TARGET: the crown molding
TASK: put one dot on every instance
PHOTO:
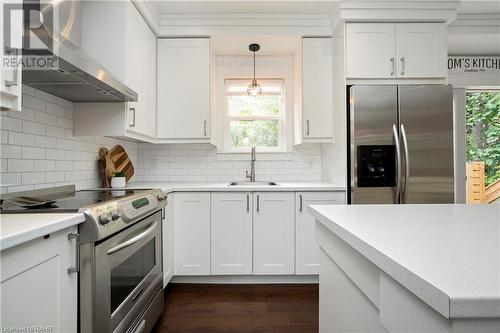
(150, 11)
(209, 24)
(394, 11)
(476, 24)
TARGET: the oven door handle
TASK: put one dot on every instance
(132, 240)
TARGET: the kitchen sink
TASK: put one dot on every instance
(253, 184)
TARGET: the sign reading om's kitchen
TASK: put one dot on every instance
(474, 64)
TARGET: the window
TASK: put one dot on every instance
(483, 131)
(254, 121)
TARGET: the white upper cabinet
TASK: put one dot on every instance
(421, 50)
(183, 88)
(10, 55)
(191, 233)
(317, 88)
(127, 48)
(396, 50)
(231, 241)
(140, 73)
(306, 246)
(273, 233)
(371, 49)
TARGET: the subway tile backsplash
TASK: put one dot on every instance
(199, 163)
(38, 150)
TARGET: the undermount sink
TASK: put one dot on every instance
(253, 184)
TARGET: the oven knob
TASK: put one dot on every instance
(162, 196)
(115, 215)
(105, 218)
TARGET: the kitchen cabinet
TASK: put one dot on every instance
(10, 56)
(421, 50)
(273, 233)
(317, 89)
(306, 246)
(396, 50)
(191, 233)
(231, 233)
(371, 50)
(127, 47)
(36, 289)
(168, 242)
(183, 90)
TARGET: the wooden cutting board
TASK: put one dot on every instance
(121, 161)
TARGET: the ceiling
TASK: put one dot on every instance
(288, 7)
(246, 7)
(480, 7)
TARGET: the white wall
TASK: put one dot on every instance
(38, 148)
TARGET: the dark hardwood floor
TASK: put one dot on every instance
(201, 308)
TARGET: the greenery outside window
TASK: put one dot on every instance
(254, 121)
(483, 131)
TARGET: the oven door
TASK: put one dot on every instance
(128, 274)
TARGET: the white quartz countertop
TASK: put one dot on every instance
(214, 187)
(447, 255)
(16, 229)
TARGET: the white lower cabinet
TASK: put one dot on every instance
(168, 242)
(273, 233)
(306, 246)
(36, 291)
(191, 233)
(231, 233)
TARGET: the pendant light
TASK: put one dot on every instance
(254, 89)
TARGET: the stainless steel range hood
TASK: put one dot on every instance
(77, 77)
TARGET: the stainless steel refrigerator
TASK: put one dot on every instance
(400, 144)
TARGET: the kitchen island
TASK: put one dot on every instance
(409, 268)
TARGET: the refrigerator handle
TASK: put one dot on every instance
(407, 164)
(398, 163)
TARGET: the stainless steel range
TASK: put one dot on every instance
(119, 253)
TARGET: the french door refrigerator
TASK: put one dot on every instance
(400, 144)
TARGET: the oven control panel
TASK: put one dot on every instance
(113, 216)
(134, 208)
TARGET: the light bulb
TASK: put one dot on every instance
(254, 89)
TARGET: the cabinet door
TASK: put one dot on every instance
(273, 234)
(183, 88)
(306, 247)
(370, 50)
(192, 233)
(317, 111)
(421, 50)
(10, 56)
(141, 72)
(35, 288)
(231, 223)
(168, 243)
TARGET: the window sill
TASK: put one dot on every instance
(261, 156)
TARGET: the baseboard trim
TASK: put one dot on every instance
(247, 279)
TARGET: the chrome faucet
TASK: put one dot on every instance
(251, 175)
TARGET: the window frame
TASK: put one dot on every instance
(281, 117)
